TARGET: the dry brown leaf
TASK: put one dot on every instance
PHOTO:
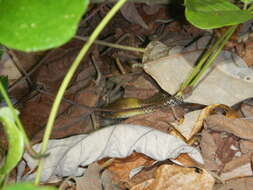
(193, 121)
(159, 119)
(121, 168)
(247, 111)
(75, 120)
(172, 177)
(245, 183)
(237, 162)
(246, 146)
(107, 181)
(191, 124)
(218, 149)
(91, 179)
(239, 172)
(131, 14)
(228, 147)
(239, 127)
(140, 87)
(151, 9)
(187, 161)
(208, 150)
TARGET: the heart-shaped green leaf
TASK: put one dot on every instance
(15, 142)
(246, 1)
(33, 25)
(208, 14)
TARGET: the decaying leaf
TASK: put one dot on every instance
(130, 13)
(247, 111)
(208, 149)
(245, 183)
(91, 179)
(121, 168)
(67, 155)
(239, 172)
(246, 146)
(239, 127)
(194, 121)
(172, 177)
(237, 162)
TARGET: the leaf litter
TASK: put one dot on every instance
(221, 139)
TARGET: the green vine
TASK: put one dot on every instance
(67, 79)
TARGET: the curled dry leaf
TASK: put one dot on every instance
(172, 177)
(191, 124)
(194, 121)
(239, 127)
(118, 141)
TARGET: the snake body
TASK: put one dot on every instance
(135, 106)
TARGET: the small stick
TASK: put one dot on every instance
(118, 46)
(121, 68)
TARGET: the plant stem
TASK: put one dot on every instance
(227, 35)
(198, 67)
(208, 57)
(67, 79)
(17, 120)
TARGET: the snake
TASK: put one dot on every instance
(133, 106)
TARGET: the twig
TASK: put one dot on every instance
(121, 68)
(19, 66)
(118, 46)
(99, 75)
(121, 38)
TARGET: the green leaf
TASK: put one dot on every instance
(15, 142)
(208, 14)
(33, 25)
(1, 51)
(28, 186)
(246, 1)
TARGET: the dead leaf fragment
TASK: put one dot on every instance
(237, 162)
(131, 14)
(91, 179)
(245, 183)
(242, 171)
(172, 177)
(239, 127)
(246, 146)
(121, 168)
(208, 150)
